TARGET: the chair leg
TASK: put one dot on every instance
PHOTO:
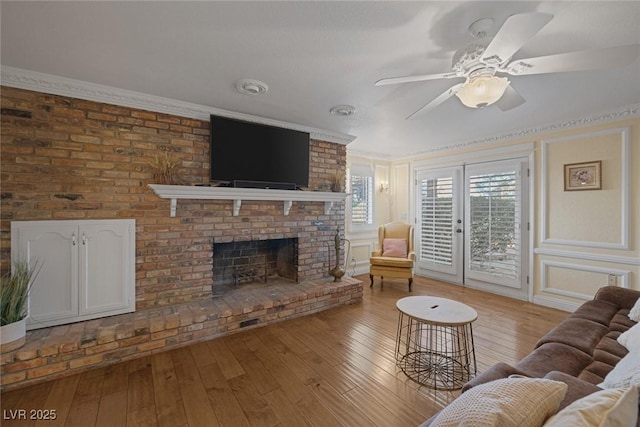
(371, 278)
(410, 283)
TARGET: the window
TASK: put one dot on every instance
(361, 182)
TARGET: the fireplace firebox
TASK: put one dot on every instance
(239, 263)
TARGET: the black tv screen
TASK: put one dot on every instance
(245, 151)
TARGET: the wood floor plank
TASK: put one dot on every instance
(256, 408)
(166, 391)
(140, 390)
(252, 366)
(195, 400)
(224, 403)
(286, 411)
(86, 400)
(112, 410)
(60, 398)
(225, 359)
(32, 399)
(347, 413)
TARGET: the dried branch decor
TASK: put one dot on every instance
(165, 169)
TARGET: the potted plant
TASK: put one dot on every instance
(14, 293)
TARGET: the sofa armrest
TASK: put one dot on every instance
(623, 297)
(577, 388)
(377, 252)
(495, 372)
(412, 256)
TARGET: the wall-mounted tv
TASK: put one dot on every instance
(255, 153)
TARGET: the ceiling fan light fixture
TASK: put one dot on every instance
(482, 91)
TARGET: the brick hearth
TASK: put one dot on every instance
(69, 349)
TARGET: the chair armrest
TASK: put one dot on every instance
(376, 252)
(412, 256)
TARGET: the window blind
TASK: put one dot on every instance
(361, 199)
(436, 231)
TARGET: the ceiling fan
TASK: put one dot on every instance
(482, 62)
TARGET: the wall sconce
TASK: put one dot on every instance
(384, 187)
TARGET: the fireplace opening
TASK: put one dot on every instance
(254, 262)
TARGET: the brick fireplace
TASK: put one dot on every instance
(66, 158)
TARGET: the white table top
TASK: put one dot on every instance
(437, 311)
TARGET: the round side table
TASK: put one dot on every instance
(434, 343)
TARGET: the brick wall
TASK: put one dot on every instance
(66, 158)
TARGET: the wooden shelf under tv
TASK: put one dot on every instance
(175, 192)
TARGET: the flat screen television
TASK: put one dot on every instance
(258, 154)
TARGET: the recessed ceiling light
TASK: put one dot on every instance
(343, 110)
(251, 87)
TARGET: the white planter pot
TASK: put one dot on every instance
(12, 336)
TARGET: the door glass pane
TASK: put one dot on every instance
(494, 240)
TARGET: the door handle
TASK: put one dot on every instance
(458, 230)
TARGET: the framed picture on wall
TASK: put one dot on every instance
(583, 176)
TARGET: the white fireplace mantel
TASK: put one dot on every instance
(175, 192)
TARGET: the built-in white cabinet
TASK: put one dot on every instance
(87, 268)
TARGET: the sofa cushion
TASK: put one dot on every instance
(517, 402)
(634, 313)
(626, 373)
(576, 332)
(577, 388)
(554, 357)
(630, 339)
(597, 311)
(605, 408)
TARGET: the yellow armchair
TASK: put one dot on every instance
(395, 256)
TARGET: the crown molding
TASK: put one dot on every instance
(56, 85)
(621, 113)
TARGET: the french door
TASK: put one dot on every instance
(471, 225)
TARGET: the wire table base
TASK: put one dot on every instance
(431, 351)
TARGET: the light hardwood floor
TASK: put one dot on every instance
(335, 368)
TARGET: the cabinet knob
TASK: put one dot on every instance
(73, 239)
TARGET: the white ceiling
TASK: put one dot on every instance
(314, 55)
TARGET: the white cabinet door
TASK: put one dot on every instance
(105, 265)
(53, 246)
(87, 268)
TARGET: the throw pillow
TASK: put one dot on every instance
(394, 248)
(626, 372)
(634, 314)
(606, 408)
(630, 339)
(517, 402)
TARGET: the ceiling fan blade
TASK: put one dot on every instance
(576, 61)
(439, 100)
(510, 99)
(515, 32)
(418, 78)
